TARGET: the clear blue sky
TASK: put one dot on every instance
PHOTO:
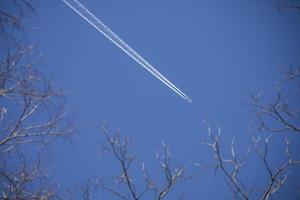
(217, 52)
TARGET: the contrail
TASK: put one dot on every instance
(102, 28)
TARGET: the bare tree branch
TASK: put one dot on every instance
(31, 111)
(119, 147)
(231, 167)
(280, 110)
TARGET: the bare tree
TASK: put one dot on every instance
(25, 180)
(31, 113)
(13, 15)
(231, 166)
(278, 116)
(31, 110)
(281, 115)
(119, 147)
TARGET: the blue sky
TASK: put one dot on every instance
(217, 52)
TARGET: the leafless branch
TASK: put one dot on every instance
(277, 176)
(280, 111)
(120, 148)
(13, 15)
(26, 181)
(230, 167)
(31, 111)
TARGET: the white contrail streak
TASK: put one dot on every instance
(102, 28)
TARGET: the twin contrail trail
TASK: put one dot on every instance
(102, 28)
